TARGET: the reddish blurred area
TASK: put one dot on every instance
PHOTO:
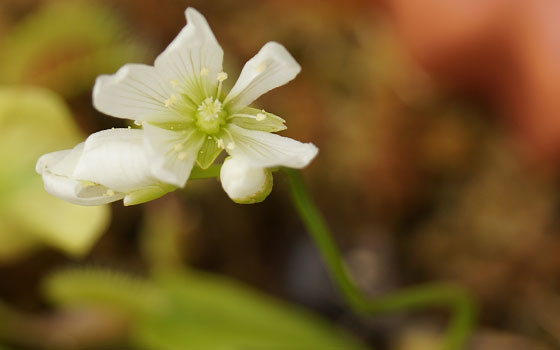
(507, 51)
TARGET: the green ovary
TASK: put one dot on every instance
(210, 116)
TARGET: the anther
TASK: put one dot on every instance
(171, 100)
(220, 143)
(221, 76)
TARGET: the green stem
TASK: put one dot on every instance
(430, 295)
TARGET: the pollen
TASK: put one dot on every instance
(182, 155)
(204, 72)
(220, 143)
(260, 117)
(231, 146)
(138, 122)
(261, 67)
(174, 83)
(170, 101)
(178, 147)
(221, 76)
(109, 193)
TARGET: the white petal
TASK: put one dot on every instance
(116, 159)
(172, 153)
(74, 191)
(271, 67)
(56, 169)
(47, 161)
(263, 149)
(193, 50)
(243, 183)
(135, 92)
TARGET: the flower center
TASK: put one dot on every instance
(210, 116)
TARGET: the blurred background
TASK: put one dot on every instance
(438, 125)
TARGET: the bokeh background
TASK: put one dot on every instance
(438, 125)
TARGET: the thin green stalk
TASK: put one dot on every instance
(430, 295)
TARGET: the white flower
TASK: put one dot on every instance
(186, 116)
(243, 183)
(110, 165)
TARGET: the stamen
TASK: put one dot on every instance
(260, 117)
(171, 100)
(220, 143)
(221, 76)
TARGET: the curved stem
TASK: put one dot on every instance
(429, 295)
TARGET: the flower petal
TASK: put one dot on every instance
(74, 191)
(136, 92)
(271, 67)
(243, 183)
(56, 169)
(172, 153)
(116, 159)
(194, 58)
(263, 149)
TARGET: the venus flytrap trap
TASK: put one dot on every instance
(33, 120)
(187, 120)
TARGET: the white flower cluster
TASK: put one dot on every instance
(186, 119)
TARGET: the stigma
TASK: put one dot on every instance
(210, 115)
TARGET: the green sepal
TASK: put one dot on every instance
(246, 119)
(147, 194)
(208, 153)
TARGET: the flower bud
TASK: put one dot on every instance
(243, 183)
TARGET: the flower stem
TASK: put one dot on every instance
(429, 295)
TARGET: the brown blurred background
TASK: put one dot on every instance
(438, 125)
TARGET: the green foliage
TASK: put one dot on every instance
(33, 122)
(211, 312)
(65, 45)
(193, 310)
